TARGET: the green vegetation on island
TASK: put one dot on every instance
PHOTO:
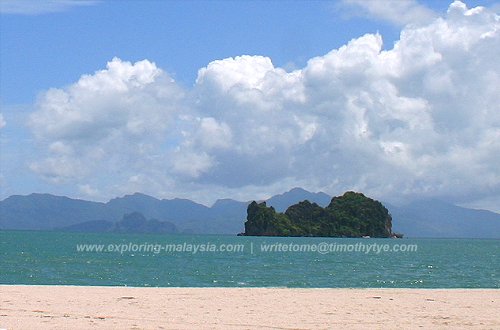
(350, 215)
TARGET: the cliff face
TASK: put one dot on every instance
(350, 215)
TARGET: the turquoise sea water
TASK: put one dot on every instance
(196, 261)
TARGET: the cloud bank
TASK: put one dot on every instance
(419, 120)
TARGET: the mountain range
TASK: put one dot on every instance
(421, 218)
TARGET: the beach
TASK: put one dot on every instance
(82, 307)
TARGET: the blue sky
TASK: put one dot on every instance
(50, 45)
(180, 36)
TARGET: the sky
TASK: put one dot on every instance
(204, 100)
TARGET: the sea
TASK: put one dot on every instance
(149, 260)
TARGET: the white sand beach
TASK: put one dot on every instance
(72, 307)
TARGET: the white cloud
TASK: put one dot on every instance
(212, 134)
(398, 12)
(191, 164)
(112, 120)
(37, 7)
(3, 123)
(421, 119)
(88, 191)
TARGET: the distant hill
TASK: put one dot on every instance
(434, 218)
(425, 218)
(283, 201)
(93, 226)
(49, 212)
(133, 222)
(44, 211)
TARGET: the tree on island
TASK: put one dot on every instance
(350, 215)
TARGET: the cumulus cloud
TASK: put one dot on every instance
(112, 120)
(398, 12)
(421, 119)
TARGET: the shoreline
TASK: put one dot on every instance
(117, 307)
(242, 287)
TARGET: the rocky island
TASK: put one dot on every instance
(350, 215)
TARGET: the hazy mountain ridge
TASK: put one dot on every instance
(49, 212)
(434, 218)
(425, 218)
(134, 222)
(282, 201)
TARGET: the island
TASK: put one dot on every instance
(350, 215)
(134, 222)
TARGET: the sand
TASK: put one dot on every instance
(72, 307)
